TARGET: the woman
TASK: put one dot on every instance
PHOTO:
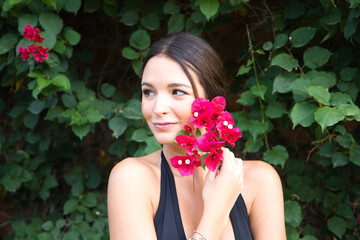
(147, 197)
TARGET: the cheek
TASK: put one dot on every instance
(146, 111)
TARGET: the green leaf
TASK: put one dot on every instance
(30, 120)
(293, 215)
(209, 7)
(299, 87)
(118, 125)
(333, 17)
(130, 18)
(151, 21)
(327, 116)
(256, 128)
(335, 183)
(303, 113)
(94, 115)
(347, 74)
(50, 3)
(283, 81)
(350, 109)
(351, 23)
(28, 19)
(48, 225)
(136, 65)
(280, 40)
(277, 156)
(61, 81)
(355, 155)
(89, 200)
(70, 206)
(81, 130)
(301, 36)
(275, 110)
(60, 223)
(69, 100)
(346, 140)
(11, 184)
(337, 225)
(36, 106)
(259, 91)
(140, 39)
(315, 57)
(176, 23)
(130, 53)
(246, 98)
(133, 109)
(50, 182)
(93, 177)
(339, 159)
(253, 146)
(243, 70)
(267, 46)
(139, 135)
(72, 36)
(107, 90)
(321, 78)
(284, 61)
(51, 22)
(320, 93)
(294, 10)
(7, 42)
(72, 6)
(171, 8)
(77, 188)
(91, 6)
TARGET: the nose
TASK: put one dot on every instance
(162, 105)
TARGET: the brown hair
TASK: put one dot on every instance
(191, 52)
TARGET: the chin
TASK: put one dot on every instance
(165, 140)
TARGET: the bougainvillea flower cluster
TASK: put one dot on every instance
(37, 51)
(218, 128)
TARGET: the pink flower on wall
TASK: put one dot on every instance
(37, 51)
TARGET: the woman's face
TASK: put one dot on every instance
(167, 96)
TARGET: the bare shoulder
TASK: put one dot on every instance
(133, 194)
(259, 171)
(136, 170)
(260, 180)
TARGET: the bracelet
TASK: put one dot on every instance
(202, 236)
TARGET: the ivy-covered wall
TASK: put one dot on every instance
(293, 67)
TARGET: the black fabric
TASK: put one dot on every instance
(168, 223)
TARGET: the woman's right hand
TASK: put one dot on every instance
(222, 187)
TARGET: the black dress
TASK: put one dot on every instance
(168, 223)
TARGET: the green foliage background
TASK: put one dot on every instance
(294, 73)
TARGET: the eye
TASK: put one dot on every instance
(147, 93)
(178, 92)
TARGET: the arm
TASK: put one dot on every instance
(267, 210)
(220, 193)
(129, 204)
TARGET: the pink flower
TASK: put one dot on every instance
(184, 164)
(188, 129)
(187, 142)
(202, 112)
(208, 142)
(225, 127)
(41, 54)
(24, 53)
(212, 160)
(218, 105)
(195, 156)
(32, 34)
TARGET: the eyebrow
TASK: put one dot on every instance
(170, 85)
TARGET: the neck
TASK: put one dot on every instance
(175, 150)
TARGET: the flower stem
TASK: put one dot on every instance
(252, 52)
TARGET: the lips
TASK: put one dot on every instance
(163, 125)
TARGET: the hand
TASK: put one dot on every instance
(222, 187)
